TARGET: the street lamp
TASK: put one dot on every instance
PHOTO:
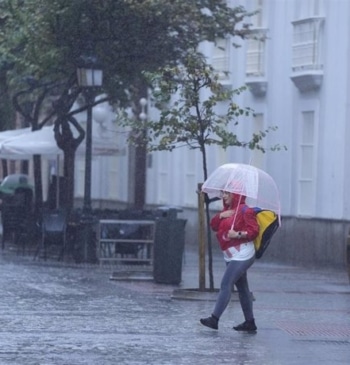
(89, 76)
(90, 79)
(143, 115)
(140, 160)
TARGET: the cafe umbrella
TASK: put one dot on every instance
(12, 182)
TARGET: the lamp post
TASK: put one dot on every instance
(143, 115)
(140, 160)
(90, 79)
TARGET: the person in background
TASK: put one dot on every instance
(236, 227)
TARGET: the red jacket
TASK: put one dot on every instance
(245, 220)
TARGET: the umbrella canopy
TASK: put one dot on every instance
(4, 135)
(14, 181)
(23, 146)
(258, 186)
(42, 142)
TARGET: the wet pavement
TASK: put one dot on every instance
(59, 313)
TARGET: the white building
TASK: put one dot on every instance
(299, 81)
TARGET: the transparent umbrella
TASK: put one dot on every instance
(258, 186)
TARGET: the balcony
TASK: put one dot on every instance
(257, 86)
(255, 62)
(307, 80)
(307, 61)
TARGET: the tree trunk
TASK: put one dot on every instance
(38, 187)
(209, 240)
(201, 238)
(4, 168)
(68, 144)
(69, 167)
(210, 247)
(140, 177)
(140, 162)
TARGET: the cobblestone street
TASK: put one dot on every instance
(53, 313)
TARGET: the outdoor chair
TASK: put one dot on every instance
(53, 232)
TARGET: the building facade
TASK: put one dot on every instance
(299, 81)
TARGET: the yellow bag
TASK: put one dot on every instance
(268, 222)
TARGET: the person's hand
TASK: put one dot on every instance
(232, 234)
(226, 214)
(236, 234)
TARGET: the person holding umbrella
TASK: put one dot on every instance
(240, 186)
(236, 227)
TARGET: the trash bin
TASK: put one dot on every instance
(168, 247)
(82, 237)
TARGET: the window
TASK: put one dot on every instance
(255, 54)
(306, 164)
(255, 45)
(221, 58)
(307, 39)
(257, 155)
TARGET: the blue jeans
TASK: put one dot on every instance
(235, 274)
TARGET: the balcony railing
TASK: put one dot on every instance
(307, 59)
(255, 62)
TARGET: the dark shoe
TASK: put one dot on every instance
(247, 326)
(210, 322)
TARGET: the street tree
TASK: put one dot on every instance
(44, 40)
(187, 96)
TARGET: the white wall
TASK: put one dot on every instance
(282, 105)
(172, 177)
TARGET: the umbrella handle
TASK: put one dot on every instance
(234, 219)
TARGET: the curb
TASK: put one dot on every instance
(198, 295)
(131, 275)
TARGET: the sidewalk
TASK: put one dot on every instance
(55, 313)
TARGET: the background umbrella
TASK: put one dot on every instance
(14, 181)
(42, 142)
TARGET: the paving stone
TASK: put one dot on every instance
(63, 313)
